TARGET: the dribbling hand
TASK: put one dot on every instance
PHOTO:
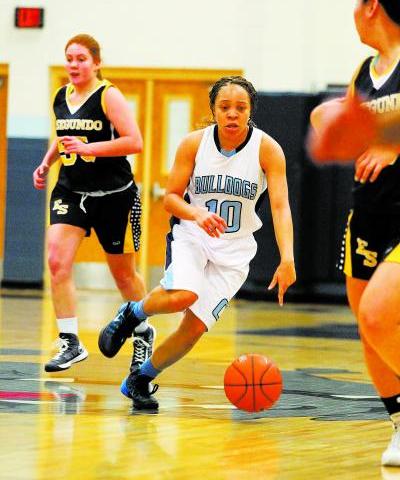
(284, 276)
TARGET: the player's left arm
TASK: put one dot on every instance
(129, 140)
(272, 161)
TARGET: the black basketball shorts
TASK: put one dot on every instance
(115, 217)
(369, 240)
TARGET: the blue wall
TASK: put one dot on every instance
(25, 215)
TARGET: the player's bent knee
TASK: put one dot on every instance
(182, 300)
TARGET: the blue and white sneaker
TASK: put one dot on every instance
(139, 389)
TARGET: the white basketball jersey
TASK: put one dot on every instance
(229, 186)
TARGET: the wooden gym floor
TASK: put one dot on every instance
(328, 423)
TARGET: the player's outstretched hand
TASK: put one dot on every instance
(342, 131)
(284, 276)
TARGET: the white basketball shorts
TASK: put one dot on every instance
(213, 268)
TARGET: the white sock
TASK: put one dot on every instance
(395, 418)
(68, 325)
(142, 327)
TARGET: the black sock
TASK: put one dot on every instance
(392, 404)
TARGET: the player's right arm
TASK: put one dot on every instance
(332, 136)
(322, 110)
(179, 179)
(341, 131)
(40, 173)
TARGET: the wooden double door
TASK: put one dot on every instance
(3, 152)
(167, 104)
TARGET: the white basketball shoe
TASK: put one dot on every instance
(391, 456)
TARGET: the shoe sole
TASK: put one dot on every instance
(154, 408)
(105, 352)
(390, 461)
(65, 366)
(124, 390)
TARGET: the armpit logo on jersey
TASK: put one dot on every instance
(371, 258)
(60, 208)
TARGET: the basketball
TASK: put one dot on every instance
(253, 383)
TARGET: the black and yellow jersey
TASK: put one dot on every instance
(90, 123)
(382, 94)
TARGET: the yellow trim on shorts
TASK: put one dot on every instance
(128, 241)
(348, 267)
(394, 255)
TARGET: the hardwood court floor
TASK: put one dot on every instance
(76, 425)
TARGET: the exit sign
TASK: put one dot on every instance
(29, 17)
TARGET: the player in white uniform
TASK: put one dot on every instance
(218, 176)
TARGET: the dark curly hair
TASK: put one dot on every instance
(392, 8)
(235, 80)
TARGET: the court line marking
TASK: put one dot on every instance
(50, 379)
(355, 397)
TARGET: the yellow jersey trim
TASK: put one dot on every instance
(389, 70)
(351, 90)
(70, 89)
(103, 98)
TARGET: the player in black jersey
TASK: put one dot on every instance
(371, 256)
(95, 189)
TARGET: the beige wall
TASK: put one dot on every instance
(282, 45)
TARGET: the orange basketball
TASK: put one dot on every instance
(253, 382)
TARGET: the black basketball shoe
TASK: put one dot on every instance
(71, 351)
(114, 335)
(139, 389)
(142, 346)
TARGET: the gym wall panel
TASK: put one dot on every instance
(25, 215)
